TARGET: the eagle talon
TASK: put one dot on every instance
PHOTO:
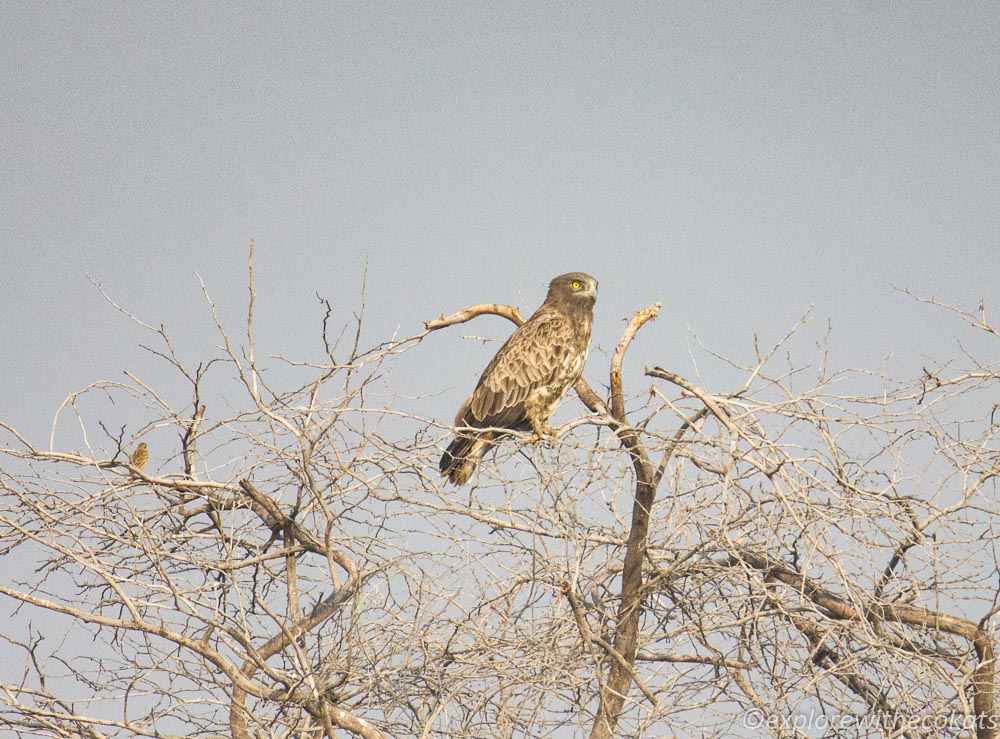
(543, 432)
(543, 438)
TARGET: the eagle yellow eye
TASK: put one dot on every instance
(577, 284)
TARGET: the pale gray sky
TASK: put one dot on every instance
(737, 160)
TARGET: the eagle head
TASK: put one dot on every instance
(573, 288)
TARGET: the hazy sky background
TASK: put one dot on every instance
(738, 161)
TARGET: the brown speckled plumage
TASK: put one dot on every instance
(524, 382)
(140, 456)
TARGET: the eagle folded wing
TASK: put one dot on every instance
(530, 360)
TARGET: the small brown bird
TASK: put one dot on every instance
(140, 456)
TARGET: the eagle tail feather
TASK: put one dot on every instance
(464, 454)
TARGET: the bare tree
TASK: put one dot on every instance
(810, 553)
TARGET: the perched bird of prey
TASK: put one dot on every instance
(524, 382)
(140, 456)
